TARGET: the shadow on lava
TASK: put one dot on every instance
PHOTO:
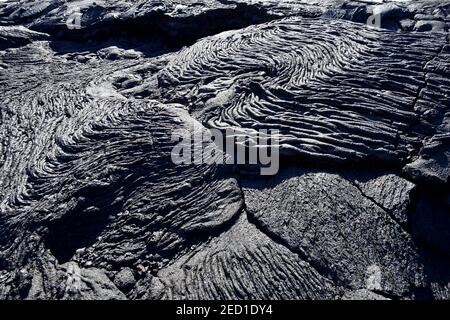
(430, 224)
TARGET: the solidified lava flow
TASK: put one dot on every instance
(93, 205)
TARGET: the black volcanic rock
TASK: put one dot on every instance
(12, 37)
(341, 230)
(92, 205)
(336, 91)
(260, 269)
(101, 172)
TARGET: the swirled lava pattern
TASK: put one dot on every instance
(92, 205)
(336, 92)
(97, 183)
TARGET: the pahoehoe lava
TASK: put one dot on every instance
(335, 92)
(92, 205)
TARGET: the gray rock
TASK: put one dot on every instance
(116, 228)
(342, 231)
(389, 191)
(18, 36)
(124, 279)
(297, 98)
(430, 26)
(428, 17)
(261, 269)
(92, 205)
(391, 25)
(390, 11)
(407, 24)
(432, 165)
(363, 294)
(89, 284)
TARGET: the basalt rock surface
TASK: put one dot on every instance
(93, 205)
(335, 91)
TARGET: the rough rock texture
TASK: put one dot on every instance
(363, 294)
(98, 184)
(336, 92)
(93, 207)
(18, 37)
(387, 190)
(255, 268)
(340, 230)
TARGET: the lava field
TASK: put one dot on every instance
(93, 206)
